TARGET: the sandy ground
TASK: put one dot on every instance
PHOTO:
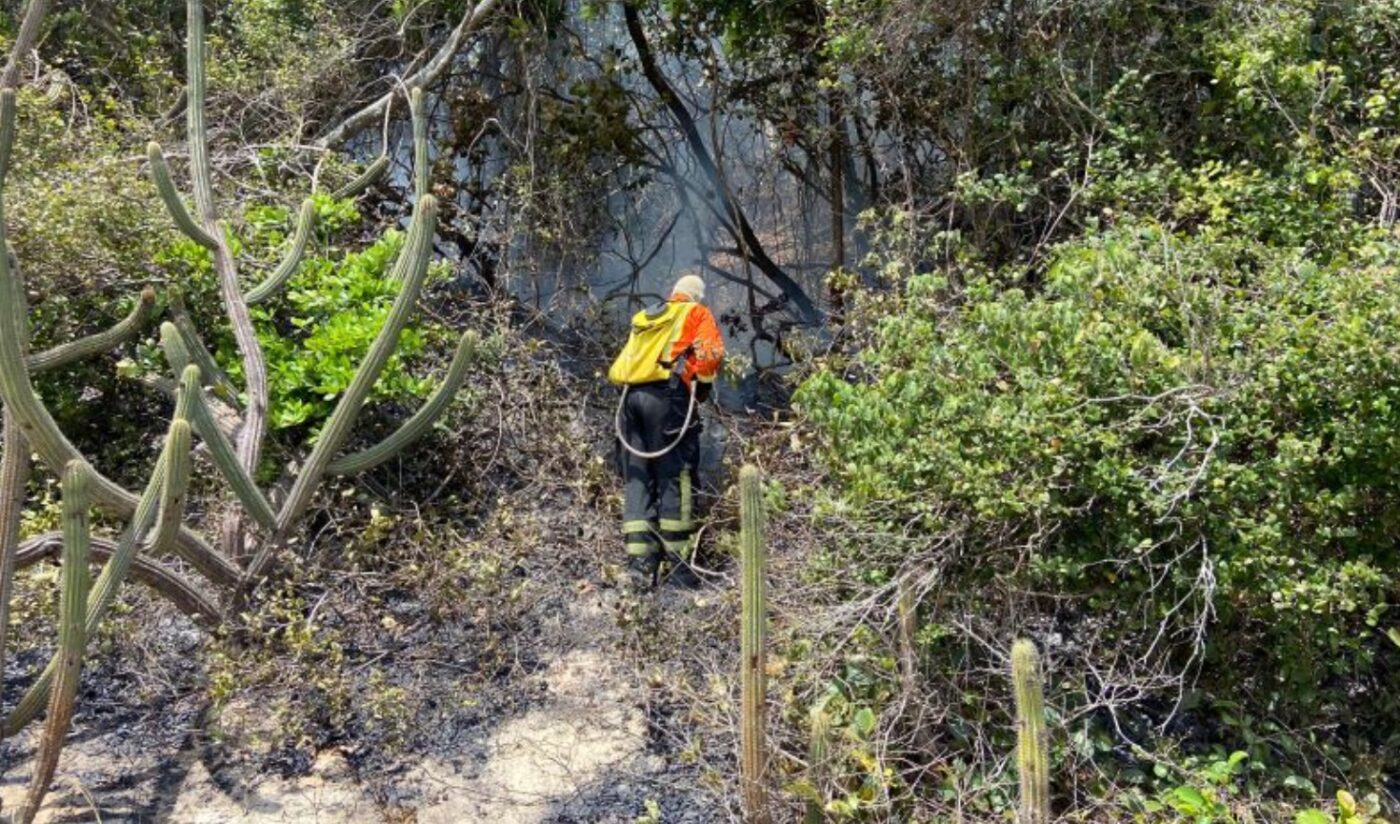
(578, 752)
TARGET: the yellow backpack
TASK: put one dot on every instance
(654, 332)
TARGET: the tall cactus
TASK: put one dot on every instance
(1032, 757)
(154, 519)
(72, 634)
(752, 653)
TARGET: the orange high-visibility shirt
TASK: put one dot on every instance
(702, 337)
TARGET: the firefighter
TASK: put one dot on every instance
(666, 370)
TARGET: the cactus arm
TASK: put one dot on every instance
(14, 476)
(174, 204)
(15, 464)
(371, 173)
(1032, 757)
(7, 132)
(72, 638)
(752, 651)
(306, 221)
(201, 172)
(422, 420)
(818, 745)
(163, 581)
(422, 170)
(410, 269)
(220, 448)
(226, 460)
(172, 491)
(254, 427)
(97, 343)
(214, 375)
(176, 461)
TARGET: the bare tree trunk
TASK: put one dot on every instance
(747, 241)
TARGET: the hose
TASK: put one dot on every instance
(647, 456)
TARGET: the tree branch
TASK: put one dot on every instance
(746, 238)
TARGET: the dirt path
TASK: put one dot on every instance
(579, 751)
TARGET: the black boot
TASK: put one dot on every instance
(643, 570)
(679, 573)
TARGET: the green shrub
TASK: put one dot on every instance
(1188, 441)
(316, 331)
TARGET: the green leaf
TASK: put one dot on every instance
(1312, 817)
(863, 724)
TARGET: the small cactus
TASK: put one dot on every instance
(72, 634)
(907, 612)
(753, 748)
(1032, 757)
(818, 745)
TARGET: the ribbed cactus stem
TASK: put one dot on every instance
(72, 634)
(15, 463)
(306, 221)
(99, 342)
(1032, 743)
(418, 235)
(14, 476)
(422, 420)
(177, 354)
(371, 173)
(7, 132)
(172, 492)
(254, 428)
(175, 460)
(410, 269)
(818, 745)
(753, 760)
(422, 171)
(220, 447)
(200, 171)
(211, 373)
(174, 203)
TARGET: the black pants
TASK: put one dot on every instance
(658, 501)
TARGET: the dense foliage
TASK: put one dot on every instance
(1163, 432)
(1108, 354)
